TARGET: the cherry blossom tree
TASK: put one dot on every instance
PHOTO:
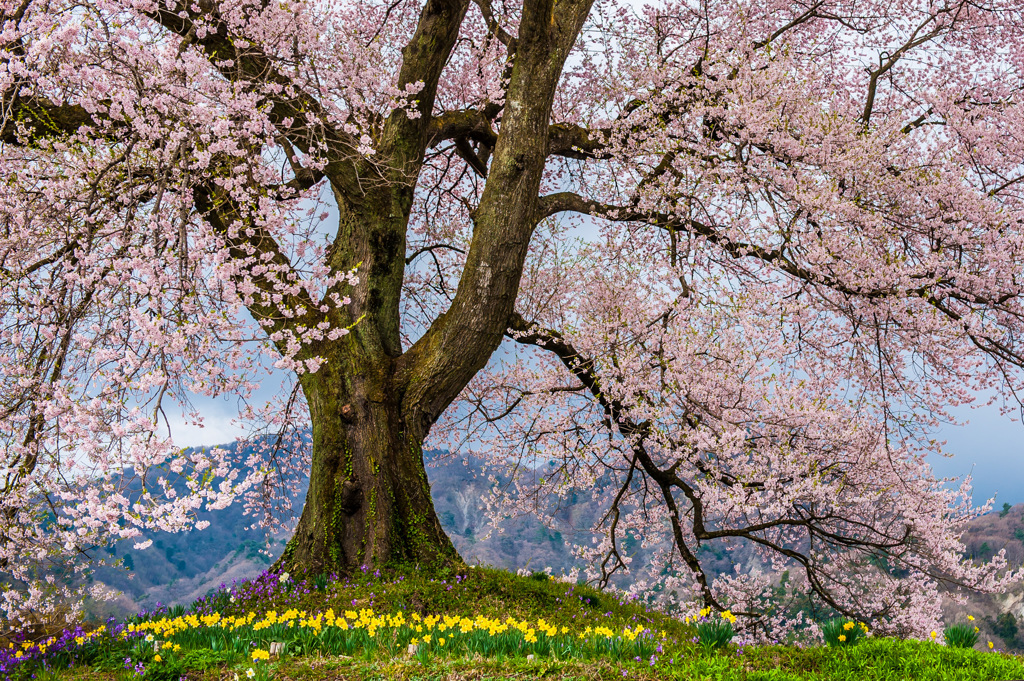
(753, 251)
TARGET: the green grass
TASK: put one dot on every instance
(497, 594)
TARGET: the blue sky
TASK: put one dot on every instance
(991, 448)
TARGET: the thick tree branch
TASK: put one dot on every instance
(249, 242)
(469, 123)
(574, 141)
(862, 537)
(41, 118)
(458, 344)
(553, 204)
(423, 60)
(374, 214)
(290, 112)
(467, 154)
(570, 141)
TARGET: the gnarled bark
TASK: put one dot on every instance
(369, 500)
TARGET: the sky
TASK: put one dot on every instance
(991, 448)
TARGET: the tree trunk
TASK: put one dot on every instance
(372, 404)
(369, 499)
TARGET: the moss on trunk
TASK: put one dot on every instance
(369, 499)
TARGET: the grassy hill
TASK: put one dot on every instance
(478, 624)
(178, 568)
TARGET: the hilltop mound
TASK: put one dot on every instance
(475, 624)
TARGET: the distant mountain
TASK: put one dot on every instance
(180, 567)
(1001, 618)
(998, 530)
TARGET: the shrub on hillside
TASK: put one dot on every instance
(961, 636)
(1005, 626)
(840, 632)
(713, 632)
